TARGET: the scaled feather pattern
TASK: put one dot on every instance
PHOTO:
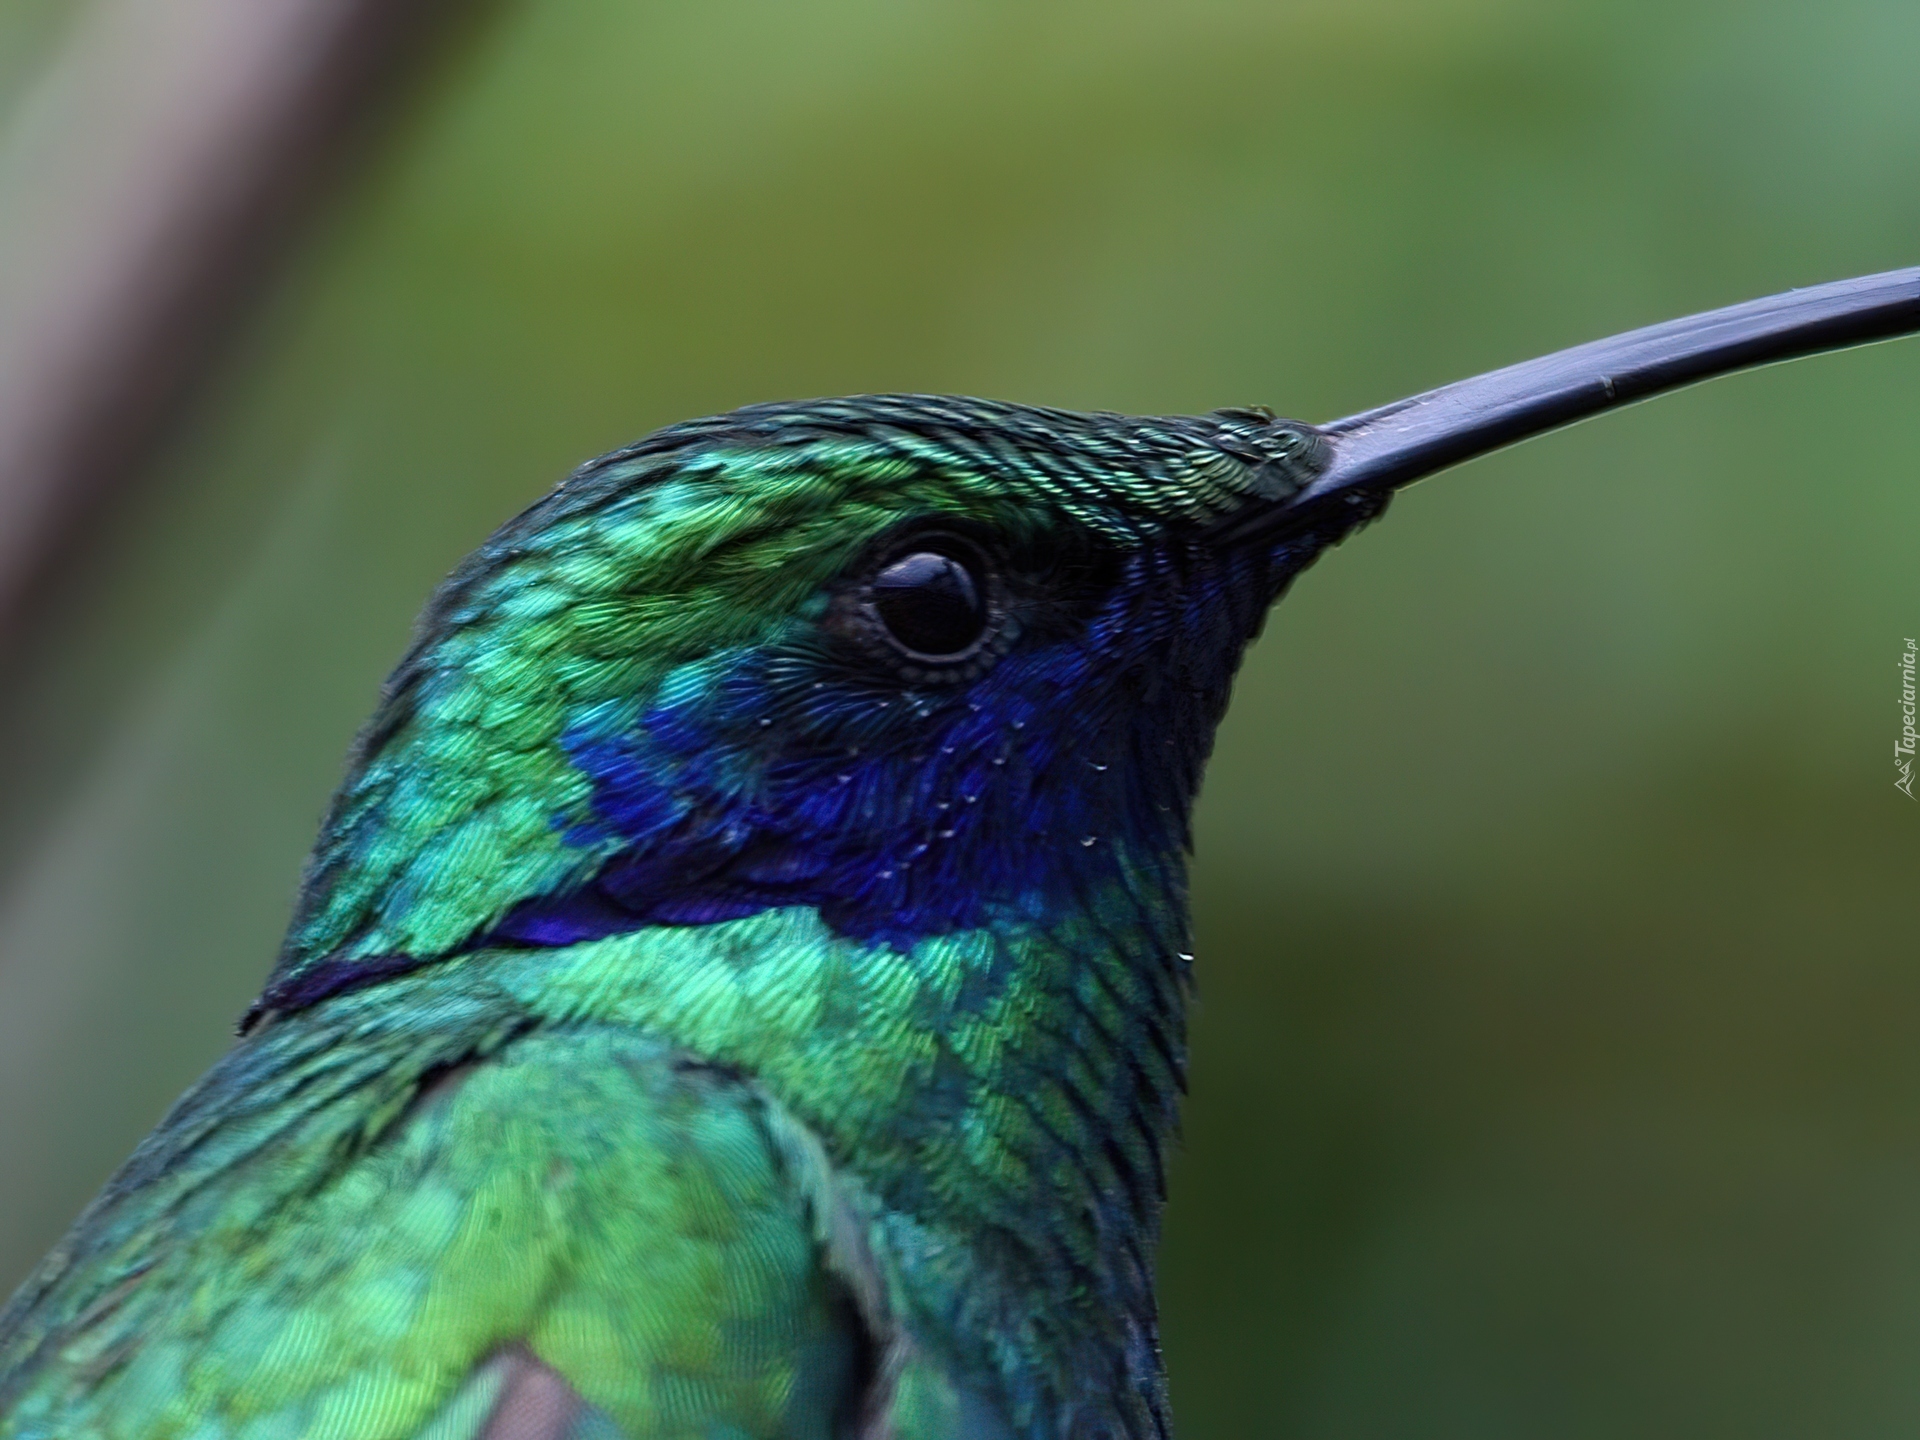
(704, 1014)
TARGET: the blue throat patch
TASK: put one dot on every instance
(775, 775)
(765, 778)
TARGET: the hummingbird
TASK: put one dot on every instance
(739, 989)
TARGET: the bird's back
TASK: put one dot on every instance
(387, 1224)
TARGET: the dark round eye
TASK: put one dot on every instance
(931, 603)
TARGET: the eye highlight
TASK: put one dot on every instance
(930, 602)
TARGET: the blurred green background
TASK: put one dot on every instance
(1557, 1071)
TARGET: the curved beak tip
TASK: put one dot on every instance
(1378, 451)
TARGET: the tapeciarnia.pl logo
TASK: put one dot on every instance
(1903, 747)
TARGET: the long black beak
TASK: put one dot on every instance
(1366, 455)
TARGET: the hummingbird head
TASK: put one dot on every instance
(919, 664)
(852, 744)
(915, 665)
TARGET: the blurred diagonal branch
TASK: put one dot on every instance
(148, 182)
